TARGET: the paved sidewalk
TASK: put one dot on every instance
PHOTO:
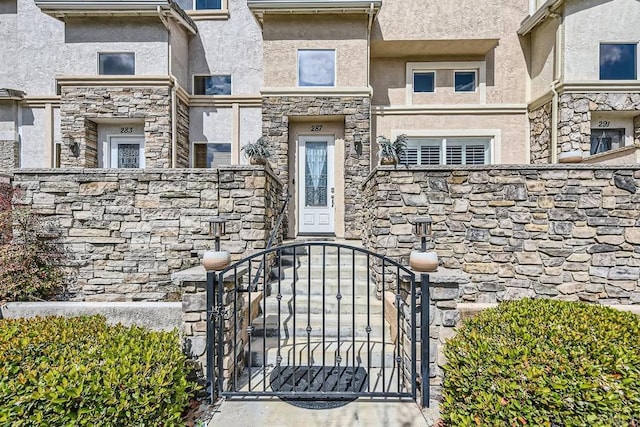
(360, 413)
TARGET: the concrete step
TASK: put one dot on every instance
(329, 272)
(330, 328)
(346, 259)
(265, 353)
(329, 287)
(317, 305)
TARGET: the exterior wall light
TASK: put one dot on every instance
(216, 260)
(74, 147)
(422, 260)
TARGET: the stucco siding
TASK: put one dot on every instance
(284, 35)
(34, 150)
(542, 58)
(513, 129)
(591, 22)
(179, 41)
(146, 38)
(250, 128)
(209, 124)
(232, 47)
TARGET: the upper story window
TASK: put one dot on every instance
(465, 81)
(447, 151)
(618, 61)
(424, 81)
(119, 64)
(200, 4)
(212, 85)
(317, 67)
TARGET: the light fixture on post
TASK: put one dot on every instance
(216, 260)
(422, 260)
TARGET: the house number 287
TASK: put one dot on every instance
(316, 128)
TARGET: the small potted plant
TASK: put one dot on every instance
(257, 152)
(390, 152)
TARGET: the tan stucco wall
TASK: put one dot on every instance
(590, 22)
(334, 128)
(542, 54)
(514, 134)
(284, 35)
(492, 24)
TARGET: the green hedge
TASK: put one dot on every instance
(544, 363)
(82, 372)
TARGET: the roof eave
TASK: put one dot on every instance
(549, 9)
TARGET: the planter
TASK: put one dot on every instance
(216, 260)
(423, 261)
(261, 161)
(388, 161)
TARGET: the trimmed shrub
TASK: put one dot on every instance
(544, 363)
(82, 372)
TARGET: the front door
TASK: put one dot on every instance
(126, 152)
(316, 189)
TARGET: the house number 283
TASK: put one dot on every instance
(126, 130)
(316, 128)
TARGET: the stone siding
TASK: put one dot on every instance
(575, 116)
(540, 121)
(571, 233)
(126, 231)
(182, 130)
(81, 106)
(356, 111)
(9, 155)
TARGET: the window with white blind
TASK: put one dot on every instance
(447, 151)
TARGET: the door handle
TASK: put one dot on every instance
(332, 198)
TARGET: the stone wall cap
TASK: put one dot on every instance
(442, 276)
(198, 274)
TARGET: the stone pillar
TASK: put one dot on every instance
(83, 133)
(636, 129)
(574, 124)
(9, 154)
(540, 121)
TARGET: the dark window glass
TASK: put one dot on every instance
(606, 139)
(465, 81)
(208, 4)
(116, 63)
(618, 61)
(212, 85)
(424, 82)
(211, 155)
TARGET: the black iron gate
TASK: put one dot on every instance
(313, 320)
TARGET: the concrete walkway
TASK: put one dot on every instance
(360, 413)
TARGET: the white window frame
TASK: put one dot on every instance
(193, 83)
(632, 42)
(435, 79)
(116, 53)
(193, 150)
(475, 80)
(223, 5)
(494, 136)
(108, 152)
(335, 67)
(479, 66)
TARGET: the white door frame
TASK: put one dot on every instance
(112, 147)
(316, 220)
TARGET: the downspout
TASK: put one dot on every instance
(369, 26)
(558, 78)
(174, 89)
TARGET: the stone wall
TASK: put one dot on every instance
(126, 231)
(9, 154)
(540, 122)
(575, 110)
(81, 106)
(182, 130)
(571, 233)
(356, 111)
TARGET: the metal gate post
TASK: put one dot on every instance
(425, 303)
(211, 334)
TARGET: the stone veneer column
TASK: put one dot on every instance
(356, 110)
(82, 106)
(9, 154)
(636, 129)
(540, 121)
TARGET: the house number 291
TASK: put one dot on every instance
(316, 128)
